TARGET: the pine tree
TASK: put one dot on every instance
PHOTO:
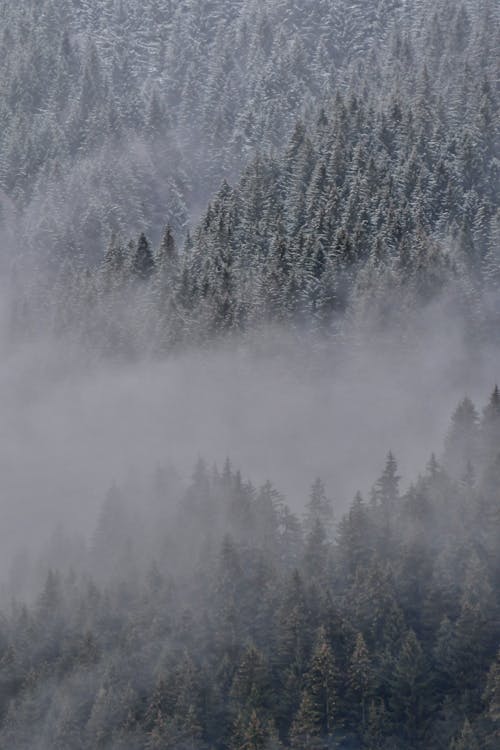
(491, 700)
(490, 427)
(255, 734)
(316, 553)
(386, 495)
(142, 262)
(354, 538)
(167, 256)
(317, 714)
(305, 730)
(250, 683)
(319, 508)
(462, 439)
(360, 679)
(411, 692)
(387, 486)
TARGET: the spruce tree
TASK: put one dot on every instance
(142, 261)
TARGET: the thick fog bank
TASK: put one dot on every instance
(281, 410)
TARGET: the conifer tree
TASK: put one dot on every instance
(490, 427)
(462, 439)
(491, 699)
(319, 508)
(317, 714)
(360, 680)
(142, 260)
(387, 486)
(410, 691)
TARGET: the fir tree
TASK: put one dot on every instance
(142, 261)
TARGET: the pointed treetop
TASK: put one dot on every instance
(114, 257)
(143, 262)
(319, 507)
(493, 407)
(433, 466)
(387, 486)
(167, 252)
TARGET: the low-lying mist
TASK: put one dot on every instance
(282, 408)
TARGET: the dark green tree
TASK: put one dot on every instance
(142, 261)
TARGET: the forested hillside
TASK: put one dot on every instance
(365, 216)
(274, 227)
(125, 116)
(384, 195)
(226, 621)
(121, 114)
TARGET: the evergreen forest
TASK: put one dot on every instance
(199, 181)
(215, 617)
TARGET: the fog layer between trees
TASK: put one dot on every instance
(71, 429)
(250, 268)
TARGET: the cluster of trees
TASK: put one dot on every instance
(361, 142)
(233, 624)
(367, 214)
(120, 113)
(383, 196)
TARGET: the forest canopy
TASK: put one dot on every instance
(215, 617)
(231, 216)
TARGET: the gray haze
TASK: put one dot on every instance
(283, 410)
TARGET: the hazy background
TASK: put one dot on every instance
(281, 409)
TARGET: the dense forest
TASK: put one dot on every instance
(367, 136)
(181, 179)
(365, 216)
(224, 620)
(124, 114)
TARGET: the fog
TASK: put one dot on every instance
(282, 409)
(268, 233)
